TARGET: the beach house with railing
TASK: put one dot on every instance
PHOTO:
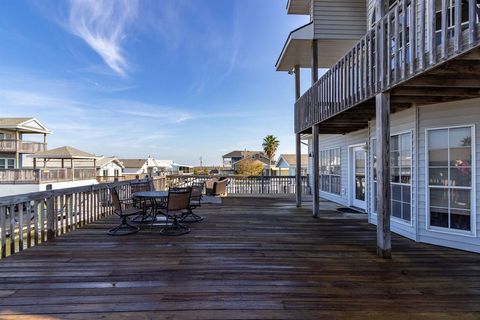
(27, 165)
(393, 122)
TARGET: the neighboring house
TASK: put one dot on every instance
(109, 169)
(417, 88)
(63, 167)
(230, 158)
(287, 165)
(152, 167)
(15, 143)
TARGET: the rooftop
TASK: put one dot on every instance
(65, 152)
(291, 159)
(241, 153)
(26, 125)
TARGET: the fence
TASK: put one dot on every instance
(246, 184)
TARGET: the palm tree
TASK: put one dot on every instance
(270, 146)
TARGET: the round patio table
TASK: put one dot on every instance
(157, 198)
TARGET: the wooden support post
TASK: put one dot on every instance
(383, 175)
(316, 170)
(51, 219)
(314, 61)
(72, 163)
(298, 146)
(298, 171)
(18, 144)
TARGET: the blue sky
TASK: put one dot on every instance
(175, 79)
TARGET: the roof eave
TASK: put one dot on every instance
(304, 33)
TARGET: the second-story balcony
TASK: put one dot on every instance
(21, 146)
(416, 55)
(42, 176)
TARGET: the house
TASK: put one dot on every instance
(63, 167)
(287, 165)
(230, 158)
(152, 167)
(109, 169)
(393, 123)
(15, 143)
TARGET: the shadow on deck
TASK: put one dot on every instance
(249, 259)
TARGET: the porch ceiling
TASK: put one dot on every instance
(298, 7)
(298, 50)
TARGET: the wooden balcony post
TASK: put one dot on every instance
(314, 61)
(298, 171)
(298, 147)
(316, 170)
(383, 175)
(50, 214)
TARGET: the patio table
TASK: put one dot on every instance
(157, 199)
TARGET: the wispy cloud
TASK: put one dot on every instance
(102, 25)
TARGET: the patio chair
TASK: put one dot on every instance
(125, 227)
(178, 202)
(195, 202)
(216, 187)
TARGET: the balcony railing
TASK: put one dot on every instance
(403, 44)
(37, 176)
(21, 146)
(246, 184)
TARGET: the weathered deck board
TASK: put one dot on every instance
(249, 259)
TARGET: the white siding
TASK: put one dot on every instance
(446, 115)
(339, 19)
(400, 122)
(343, 142)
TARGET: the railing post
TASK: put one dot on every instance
(50, 213)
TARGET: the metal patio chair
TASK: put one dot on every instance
(178, 202)
(124, 212)
(195, 202)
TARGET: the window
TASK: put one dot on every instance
(450, 178)
(400, 176)
(116, 172)
(6, 136)
(105, 172)
(451, 18)
(330, 179)
(7, 163)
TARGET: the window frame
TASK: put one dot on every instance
(372, 181)
(330, 175)
(6, 167)
(473, 200)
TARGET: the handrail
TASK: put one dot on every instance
(245, 184)
(26, 146)
(380, 61)
(29, 219)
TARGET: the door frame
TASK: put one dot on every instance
(351, 167)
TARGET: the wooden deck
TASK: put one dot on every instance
(249, 259)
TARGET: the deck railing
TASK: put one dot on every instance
(403, 44)
(21, 146)
(246, 184)
(38, 176)
(29, 219)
